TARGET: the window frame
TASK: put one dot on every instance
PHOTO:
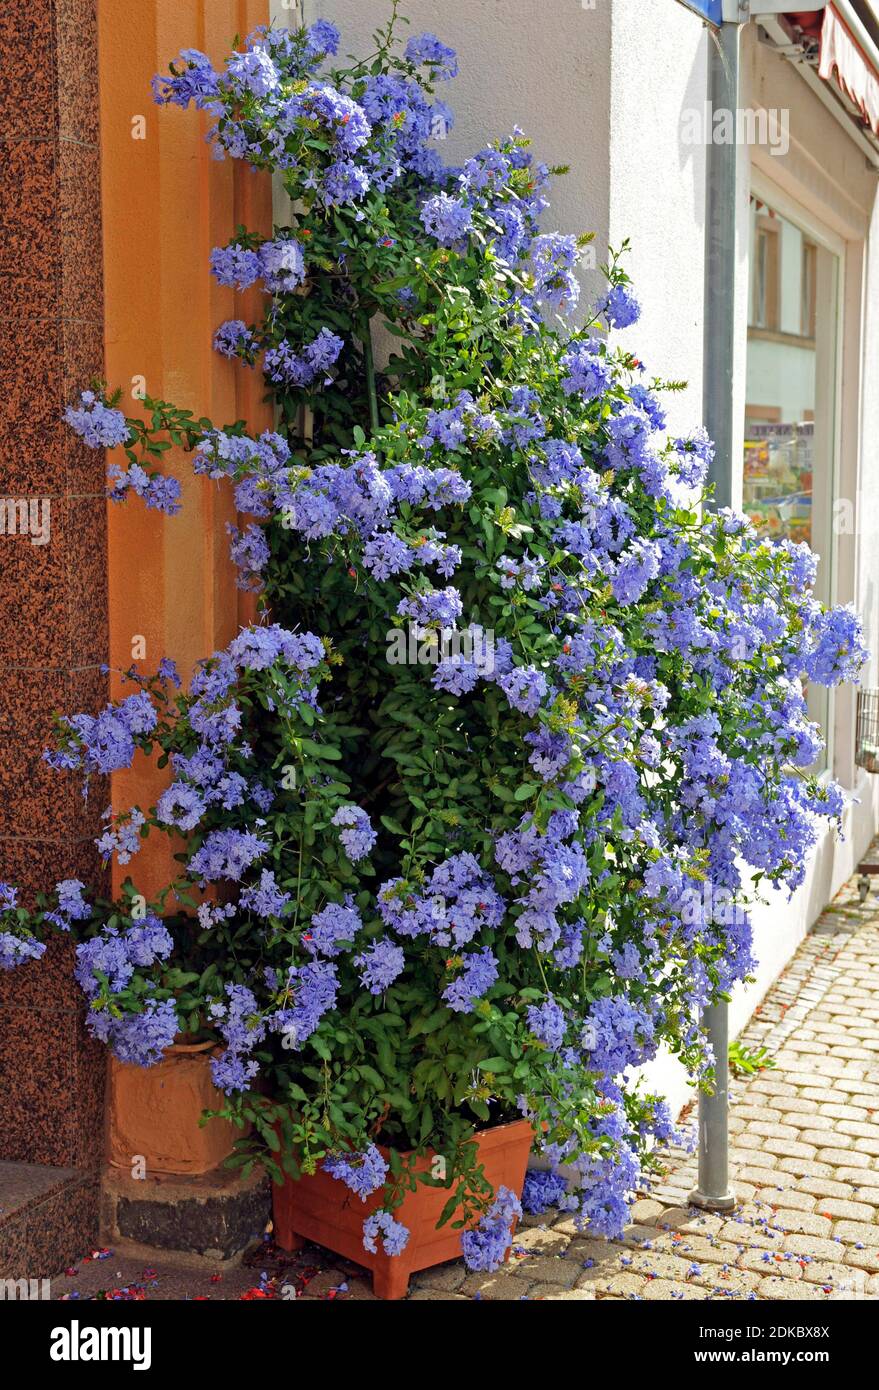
(816, 231)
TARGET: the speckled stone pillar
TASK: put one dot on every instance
(53, 587)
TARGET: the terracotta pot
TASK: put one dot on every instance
(153, 1113)
(323, 1210)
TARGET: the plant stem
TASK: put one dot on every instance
(369, 361)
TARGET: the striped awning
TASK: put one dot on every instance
(844, 62)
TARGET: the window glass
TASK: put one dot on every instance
(790, 411)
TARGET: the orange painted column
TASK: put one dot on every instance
(166, 204)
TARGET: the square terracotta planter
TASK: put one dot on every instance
(153, 1114)
(323, 1210)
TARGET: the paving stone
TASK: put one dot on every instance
(789, 1199)
(745, 1143)
(744, 1233)
(856, 1177)
(766, 1262)
(788, 1148)
(549, 1293)
(497, 1288)
(842, 1156)
(806, 1167)
(434, 1296)
(854, 1232)
(769, 1114)
(869, 1195)
(543, 1269)
(731, 1280)
(702, 1223)
(545, 1241)
(565, 1224)
(622, 1284)
(774, 1131)
(763, 1177)
(796, 1105)
(816, 1246)
(778, 1289)
(770, 1086)
(808, 1125)
(645, 1211)
(667, 1289)
(868, 1258)
(447, 1277)
(634, 1236)
(702, 1251)
(839, 1275)
(825, 1187)
(805, 1223)
(657, 1264)
(847, 1209)
(595, 1250)
(804, 1151)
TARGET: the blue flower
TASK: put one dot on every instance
(480, 970)
(333, 928)
(447, 219)
(97, 424)
(620, 307)
(356, 832)
(547, 1022)
(394, 1235)
(266, 899)
(485, 1248)
(426, 48)
(380, 965)
(364, 1173)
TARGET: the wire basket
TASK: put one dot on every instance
(867, 747)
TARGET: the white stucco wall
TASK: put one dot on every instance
(552, 79)
(657, 188)
(603, 89)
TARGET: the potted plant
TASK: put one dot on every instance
(474, 795)
(155, 1114)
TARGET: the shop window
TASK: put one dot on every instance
(791, 394)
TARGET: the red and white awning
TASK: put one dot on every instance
(844, 61)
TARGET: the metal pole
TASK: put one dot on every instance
(713, 1192)
(720, 261)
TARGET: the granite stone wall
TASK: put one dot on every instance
(53, 572)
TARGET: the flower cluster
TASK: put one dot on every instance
(485, 1247)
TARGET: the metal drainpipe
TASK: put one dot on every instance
(713, 1192)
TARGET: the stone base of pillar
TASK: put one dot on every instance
(215, 1214)
(728, 1202)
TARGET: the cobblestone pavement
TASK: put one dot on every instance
(804, 1156)
(805, 1159)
